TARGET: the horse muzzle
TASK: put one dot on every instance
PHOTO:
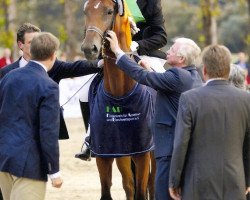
(90, 51)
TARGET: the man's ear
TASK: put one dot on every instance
(204, 72)
(53, 57)
(181, 59)
(20, 45)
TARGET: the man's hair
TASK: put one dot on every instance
(237, 76)
(43, 46)
(189, 50)
(26, 28)
(217, 59)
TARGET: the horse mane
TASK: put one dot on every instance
(122, 29)
(116, 82)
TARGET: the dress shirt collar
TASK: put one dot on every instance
(23, 62)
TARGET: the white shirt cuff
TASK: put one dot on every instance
(118, 55)
(55, 175)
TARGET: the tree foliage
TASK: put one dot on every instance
(190, 18)
(182, 18)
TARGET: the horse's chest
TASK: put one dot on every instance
(121, 125)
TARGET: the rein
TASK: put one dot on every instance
(79, 90)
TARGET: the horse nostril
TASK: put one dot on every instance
(94, 49)
(90, 51)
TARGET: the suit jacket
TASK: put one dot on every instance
(213, 128)
(59, 71)
(169, 86)
(152, 34)
(29, 123)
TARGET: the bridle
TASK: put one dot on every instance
(95, 29)
(103, 34)
(110, 27)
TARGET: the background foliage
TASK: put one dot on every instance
(182, 18)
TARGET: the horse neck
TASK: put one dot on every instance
(116, 82)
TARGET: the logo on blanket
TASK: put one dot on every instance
(114, 114)
(113, 109)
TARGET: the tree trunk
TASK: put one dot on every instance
(209, 21)
(214, 34)
(12, 26)
(248, 35)
(70, 44)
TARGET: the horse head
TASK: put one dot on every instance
(100, 16)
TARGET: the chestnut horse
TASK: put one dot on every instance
(100, 16)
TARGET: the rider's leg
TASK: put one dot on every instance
(85, 153)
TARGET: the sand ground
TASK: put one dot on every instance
(81, 178)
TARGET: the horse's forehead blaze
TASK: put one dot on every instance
(97, 5)
(93, 5)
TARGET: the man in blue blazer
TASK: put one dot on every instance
(59, 71)
(29, 125)
(169, 86)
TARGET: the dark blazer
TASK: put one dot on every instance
(29, 123)
(169, 86)
(212, 131)
(152, 35)
(60, 71)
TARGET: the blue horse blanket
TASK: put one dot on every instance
(120, 126)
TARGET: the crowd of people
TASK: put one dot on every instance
(201, 126)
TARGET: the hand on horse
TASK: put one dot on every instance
(57, 182)
(113, 41)
(133, 28)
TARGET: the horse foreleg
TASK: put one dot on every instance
(104, 166)
(124, 166)
(142, 163)
(151, 180)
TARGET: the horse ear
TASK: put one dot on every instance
(120, 4)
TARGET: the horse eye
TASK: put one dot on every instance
(110, 12)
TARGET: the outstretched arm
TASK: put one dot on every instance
(62, 70)
(167, 81)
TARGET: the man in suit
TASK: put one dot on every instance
(211, 146)
(152, 35)
(29, 125)
(169, 86)
(59, 71)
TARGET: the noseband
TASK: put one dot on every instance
(95, 29)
